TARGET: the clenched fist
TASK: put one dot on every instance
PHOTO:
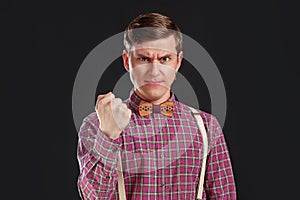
(113, 114)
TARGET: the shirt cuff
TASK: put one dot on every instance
(107, 148)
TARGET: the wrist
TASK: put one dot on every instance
(113, 134)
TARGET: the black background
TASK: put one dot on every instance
(255, 45)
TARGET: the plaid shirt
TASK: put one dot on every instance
(161, 157)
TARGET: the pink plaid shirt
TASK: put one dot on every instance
(161, 157)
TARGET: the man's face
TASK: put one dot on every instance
(152, 66)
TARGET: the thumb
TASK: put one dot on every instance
(129, 113)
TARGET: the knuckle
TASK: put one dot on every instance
(101, 102)
(100, 97)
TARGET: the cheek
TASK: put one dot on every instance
(137, 74)
(169, 71)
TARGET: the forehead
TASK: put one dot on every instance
(164, 45)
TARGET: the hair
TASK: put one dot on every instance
(151, 26)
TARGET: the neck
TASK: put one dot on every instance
(164, 98)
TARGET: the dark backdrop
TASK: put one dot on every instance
(255, 44)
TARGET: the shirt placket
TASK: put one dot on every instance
(161, 182)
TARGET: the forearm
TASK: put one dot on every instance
(219, 181)
(97, 156)
(96, 181)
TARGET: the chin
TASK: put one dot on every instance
(153, 93)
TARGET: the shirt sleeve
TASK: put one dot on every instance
(97, 157)
(219, 178)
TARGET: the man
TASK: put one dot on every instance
(151, 136)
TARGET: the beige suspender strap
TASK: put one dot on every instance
(205, 150)
(121, 186)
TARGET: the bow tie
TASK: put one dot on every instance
(166, 108)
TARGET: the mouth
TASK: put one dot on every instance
(153, 82)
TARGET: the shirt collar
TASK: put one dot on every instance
(134, 99)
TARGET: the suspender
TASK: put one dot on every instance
(121, 187)
(205, 151)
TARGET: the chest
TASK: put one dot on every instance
(162, 144)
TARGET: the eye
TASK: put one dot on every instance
(165, 59)
(144, 59)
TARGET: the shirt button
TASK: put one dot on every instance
(163, 185)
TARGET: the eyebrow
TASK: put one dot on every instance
(147, 55)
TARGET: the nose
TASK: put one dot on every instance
(154, 69)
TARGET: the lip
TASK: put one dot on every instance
(153, 82)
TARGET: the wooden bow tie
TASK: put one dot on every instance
(166, 108)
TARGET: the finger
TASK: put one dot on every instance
(107, 99)
(117, 109)
(119, 106)
(116, 102)
(102, 104)
(129, 113)
(101, 96)
(124, 106)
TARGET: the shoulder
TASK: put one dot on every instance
(206, 117)
(210, 122)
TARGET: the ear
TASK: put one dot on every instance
(179, 60)
(125, 57)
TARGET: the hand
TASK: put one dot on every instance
(113, 115)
